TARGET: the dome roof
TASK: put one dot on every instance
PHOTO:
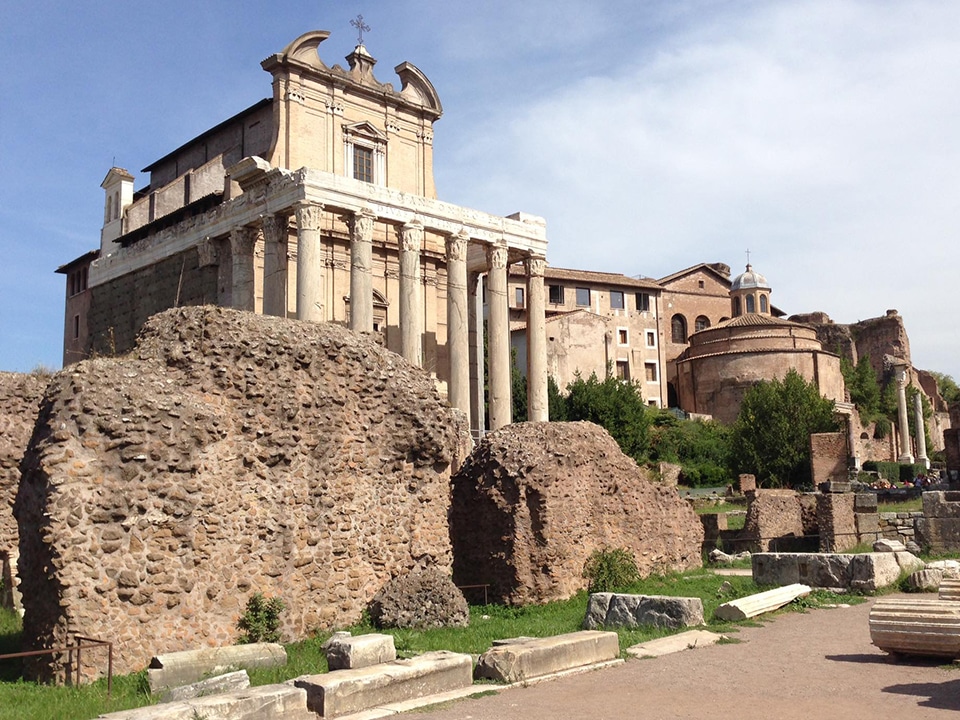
(748, 280)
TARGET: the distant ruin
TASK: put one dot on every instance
(230, 453)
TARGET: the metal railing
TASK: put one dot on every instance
(81, 643)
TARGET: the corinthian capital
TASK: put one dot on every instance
(497, 256)
(308, 215)
(536, 265)
(457, 246)
(411, 236)
(361, 225)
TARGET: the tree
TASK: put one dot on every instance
(771, 436)
(615, 405)
(700, 447)
(947, 387)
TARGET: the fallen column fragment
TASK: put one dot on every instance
(916, 627)
(753, 605)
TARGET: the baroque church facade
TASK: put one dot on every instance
(318, 203)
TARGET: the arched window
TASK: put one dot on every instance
(116, 205)
(763, 304)
(751, 304)
(109, 208)
(678, 329)
(737, 312)
(702, 323)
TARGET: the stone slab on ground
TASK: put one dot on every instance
(189, 666)
(674, 643)
(228, 682)
(345, 651)
(530, 658)
(267, 702)
(865, 572)
(625, 610)
(950, 589)
(759, 603)
(916, 627)
(350, 691)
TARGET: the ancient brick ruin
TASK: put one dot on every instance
(535, 499)
(230, 453)
(19, 400)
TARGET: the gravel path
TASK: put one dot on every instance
(817, 665)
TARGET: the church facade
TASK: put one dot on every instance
(318, 203)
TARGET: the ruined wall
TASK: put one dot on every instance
(774, 520)
(19, 399)
(231, 453)
(837, 527)
(828, 457)
(534, 500)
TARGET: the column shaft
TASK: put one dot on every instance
(309, 263)
(411, 307)
(243, 240)
(477, 359)
(537, 406)
(458, 326)
(905, 455)
(921, 430)
(275, 265)
(498, 338)
(361, 262)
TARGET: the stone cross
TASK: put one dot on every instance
(361, 26)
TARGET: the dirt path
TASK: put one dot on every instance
(819, 665)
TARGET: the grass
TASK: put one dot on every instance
(913, 505)
(20, 699)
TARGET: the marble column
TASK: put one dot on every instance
(458, 325)
(477, 359)
(411, 307)
(921, 431)
(243, 240)
(310, 305)
(361, 263)
(498, 338)
(537, 406)
(274, 264)
(905, 455)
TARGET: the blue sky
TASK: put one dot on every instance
(821, 135)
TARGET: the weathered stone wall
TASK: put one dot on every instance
(774, 520)
(939, 527)
(899, 525)
(19, 399)
(828, 457)
(232, 453)
(837, 526)
(534, 500)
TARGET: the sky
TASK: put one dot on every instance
(652, 135)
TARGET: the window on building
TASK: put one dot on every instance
(76, 327)
(652, 403)
(616, 300)
(643, 302)
(650, 371)
(737, 312)
(556, 294)
(623, 337)
(700, 284)
(623, 370)
(701, 323)
(763, 304)
(751, 304)
(651, 338)
(362, 163)
(678, 329)
(583, 297)
(518, 297)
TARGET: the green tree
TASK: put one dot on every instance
(948, 388)
(556, 402)
(518, 389)
(700, 447)
(616, 406)
(771, 436)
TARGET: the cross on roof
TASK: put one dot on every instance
(361, 26)
(748, 256)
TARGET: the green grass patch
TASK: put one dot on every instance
(720, 507)
(913, 505)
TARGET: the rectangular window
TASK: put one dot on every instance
(556, 294)
(650, 371)
(643, 302)
(623, 337)
(76, 327)
(616, 300)
(583, 297)
(623, 370)
(362, 164)
(518, 297)
(651, 338)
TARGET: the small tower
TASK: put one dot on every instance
(749, 294)
(118, 195)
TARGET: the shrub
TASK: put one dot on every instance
(261, 620)
(610, 569)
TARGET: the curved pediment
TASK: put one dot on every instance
(417, 87)
(304, 48)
